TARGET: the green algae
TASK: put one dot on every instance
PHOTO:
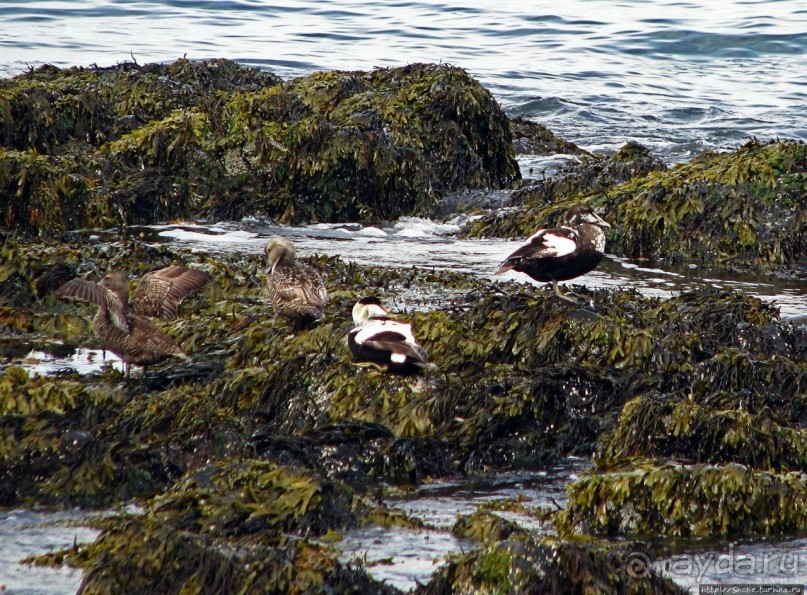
(706, 434)
(140, 556)
(21, 395)
(744, 207)
(231, 526)
(484, 526)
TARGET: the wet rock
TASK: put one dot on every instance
(753, 432)
(484, 526)
(544, 202)
(534, 138)
(53, 278)
(230, 527)
(647, 498)
(743, 208)
(528, 565)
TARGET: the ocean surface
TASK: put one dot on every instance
(676, 76)
(679, 77)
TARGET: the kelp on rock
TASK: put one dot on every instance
(744, 209)
(105, 147)
(249, 458)
(523, 379)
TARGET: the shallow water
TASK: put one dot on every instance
(675, 75)
(82, 361)
(423, 243)
(25, 533)
(404, 557)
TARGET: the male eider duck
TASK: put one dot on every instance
(124, 327)
(297, 290)
(378, 338)
(561, 253)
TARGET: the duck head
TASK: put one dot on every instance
(118, 283)
(367, 308)
(584, 214)
(279, 250)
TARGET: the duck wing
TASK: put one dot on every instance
(544, 243)
(393, 337)
(90, 292)
(151, 340)
(160, 293)
(299, 284)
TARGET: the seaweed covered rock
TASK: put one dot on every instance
(536, 139)
(145, 558)
(555, 378)
(544, 202)
(692, 401)
(527, 565)
(644, 498)
(745, 207)
(725, 456)
(756, 433)
(105, 147)
(232, 527)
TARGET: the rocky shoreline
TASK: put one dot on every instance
(693, 408)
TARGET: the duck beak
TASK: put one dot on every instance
(597, 220)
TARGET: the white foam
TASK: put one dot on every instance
(219, 235)
(417, 227)
(372, 232)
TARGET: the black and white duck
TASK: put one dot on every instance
(296, 289)
(379, 338)
(562, 253)
(124, 327)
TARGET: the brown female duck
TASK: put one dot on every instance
(124, 327)
(297, 290)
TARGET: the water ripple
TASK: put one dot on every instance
(604, 72)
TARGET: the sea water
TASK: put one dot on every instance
(679, 77)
